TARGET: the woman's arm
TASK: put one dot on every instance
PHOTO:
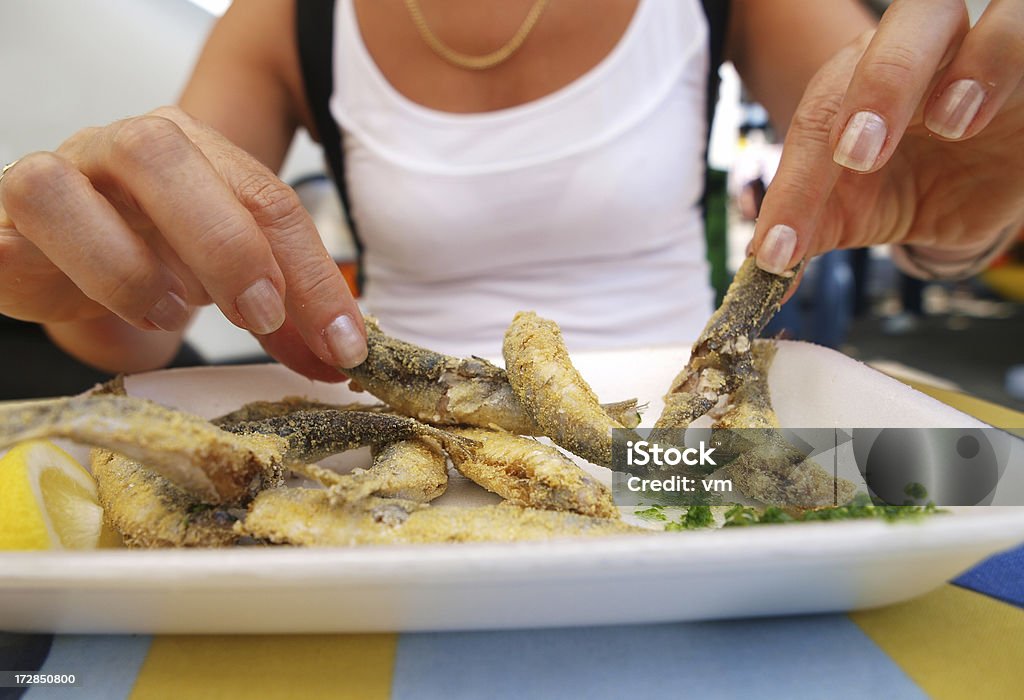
(778, 45)
(247, 84)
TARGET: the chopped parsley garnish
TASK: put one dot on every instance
(652, 513)
(695, 518)
(916, 491)
(859, 508)
(699, 517)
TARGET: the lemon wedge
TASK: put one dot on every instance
(47, 500)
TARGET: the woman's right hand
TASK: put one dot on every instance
(152, 215)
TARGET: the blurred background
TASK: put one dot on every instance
(115, 58)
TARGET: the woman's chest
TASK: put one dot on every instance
(639, 191)
(569, 38)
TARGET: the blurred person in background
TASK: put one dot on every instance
(508, 154)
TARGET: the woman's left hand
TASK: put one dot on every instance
(913, 135)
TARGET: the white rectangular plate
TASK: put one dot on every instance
(737, 572)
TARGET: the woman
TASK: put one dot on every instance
(564, 177)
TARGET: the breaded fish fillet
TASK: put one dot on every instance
(529, 473)
(213, 465)
(306, 517)
(770, 469)
(720, 361)
(413, 470)
(445, 390)
(553, 392)
(150, 511)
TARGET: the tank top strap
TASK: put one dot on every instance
(717, 12)
(314, 26)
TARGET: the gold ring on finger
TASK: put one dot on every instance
(7, 167)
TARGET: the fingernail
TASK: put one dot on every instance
(861, 142)
(170, 313)
(346, 343)
(261, 307)
(954, 111)
(776, 250)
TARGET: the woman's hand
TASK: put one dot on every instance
(150, 216)
(913, 135)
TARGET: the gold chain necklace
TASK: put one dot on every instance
(463, 60)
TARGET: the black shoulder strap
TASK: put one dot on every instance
(713, 199)
(314, 27)
(717, 12)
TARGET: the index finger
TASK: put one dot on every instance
(807, 174)
(318, 299)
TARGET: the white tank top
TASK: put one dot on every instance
(582, 205)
